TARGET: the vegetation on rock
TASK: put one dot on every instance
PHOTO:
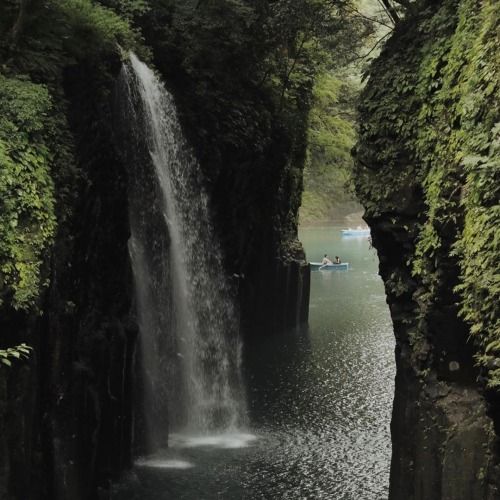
(430, 124)
(39, 41)
(27, 218)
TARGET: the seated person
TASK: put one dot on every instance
(337, 260)
(326, 261)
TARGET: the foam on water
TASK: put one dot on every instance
(163, 463)
(229, 440)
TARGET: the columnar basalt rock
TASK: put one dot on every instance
(67, 412)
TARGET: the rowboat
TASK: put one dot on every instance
(318, 266)
(355, 232)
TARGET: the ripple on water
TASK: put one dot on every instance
(320, 403)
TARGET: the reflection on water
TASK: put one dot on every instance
(320, 402)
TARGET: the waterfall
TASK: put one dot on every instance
(189, 338)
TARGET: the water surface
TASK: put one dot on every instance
(320, 402)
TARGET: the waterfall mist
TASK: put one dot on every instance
(189, 340)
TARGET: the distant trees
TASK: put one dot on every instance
(332, 134)
(328, 191)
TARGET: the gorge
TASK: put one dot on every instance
(150, 255)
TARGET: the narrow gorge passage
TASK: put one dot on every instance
(320, 402)
(163, 334)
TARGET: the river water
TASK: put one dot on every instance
(319, 399)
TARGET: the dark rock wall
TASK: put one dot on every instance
(428, 114)
(70, 417)
(89, 334)
(67, 414)
(18, 417)
(443, 438)
(251, 148)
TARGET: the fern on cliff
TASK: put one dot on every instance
(462, 182)
(27, 218)
(38, 170)
(433, 128)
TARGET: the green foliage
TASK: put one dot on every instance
(39, 45)
(310, 36)
(27, 219)
(61, 33)
(272, 48)
(128, 9)
(430, 123)
(92, 28)
(331, 137)
(463, 178)
(19, 352)
(35, 143)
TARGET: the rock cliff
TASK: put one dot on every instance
(68, 417)
(427, 173)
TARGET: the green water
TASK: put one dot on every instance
(320, 402)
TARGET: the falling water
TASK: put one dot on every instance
(190, 345)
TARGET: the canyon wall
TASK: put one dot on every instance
(250, 136)
(67, 414)
(68, 417)
(427, 172)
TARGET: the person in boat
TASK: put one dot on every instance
(326, 261)
(337, 260)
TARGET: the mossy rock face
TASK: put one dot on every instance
(65, 281)
(429, 151)
(427, 168)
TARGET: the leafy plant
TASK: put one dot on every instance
(27, 217)
(429, 124)
(20, 352)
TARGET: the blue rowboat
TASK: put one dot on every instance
(355, 232)
(318, 266)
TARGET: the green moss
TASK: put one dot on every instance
(431, 125)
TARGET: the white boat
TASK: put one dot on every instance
(318, 266)
(356, 232)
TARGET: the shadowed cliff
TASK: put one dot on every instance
(69, 418)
